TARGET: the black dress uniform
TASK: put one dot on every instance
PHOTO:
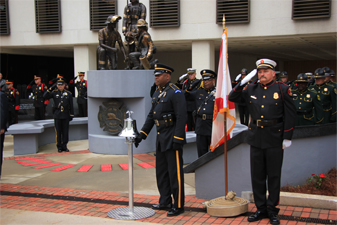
(307, 103)
(204, 101)
(38, 90)
(82, 96)
(3, 123)
(327, 97)
(273, 116)
(168, 113)
(190, 103)
(13, 97)
(63, 113)
(242, 106)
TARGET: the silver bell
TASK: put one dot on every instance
(128, 130)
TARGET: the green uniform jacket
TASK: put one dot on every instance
(307, 105)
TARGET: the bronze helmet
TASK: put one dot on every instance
(113, 19)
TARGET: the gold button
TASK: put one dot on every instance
(264, 96)
(154, 112)
(262, 106)
(261, 116)
(276, 103)
(261, 126)
(158, 133)
(204, 109)
(300, 98)
(205, 103)
(319, 92)
(279, 130)
(300, 103)
(265, 87)
(299, 107)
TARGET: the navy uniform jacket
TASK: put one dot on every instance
(172, 102)
(38, 91)
(82, 91)
(203, 123)
(63, 103)
(13, 98)
(267, 103)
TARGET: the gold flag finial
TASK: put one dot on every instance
(223, 22)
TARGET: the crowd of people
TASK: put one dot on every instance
(314, 95)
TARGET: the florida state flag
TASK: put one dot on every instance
(222, 106)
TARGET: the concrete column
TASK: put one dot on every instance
(203, 54)
(84, 58)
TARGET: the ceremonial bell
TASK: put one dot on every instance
(130, 213)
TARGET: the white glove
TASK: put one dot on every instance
(286, 144)
(248, 77)
(237, 77)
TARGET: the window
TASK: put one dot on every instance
(311, 9)
(4, 18)
(99, 12)
(48, 16)
(236, 11)
(164, 13)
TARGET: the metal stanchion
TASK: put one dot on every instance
(131, 212)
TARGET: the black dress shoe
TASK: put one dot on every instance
(162, 206)
(60, 150)
(274, 219)
(175, 211)
(66, 150)
(258, 215)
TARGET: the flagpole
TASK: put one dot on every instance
(225, 117)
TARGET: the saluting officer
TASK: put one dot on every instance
(64, 112)
(326, 95)
(38, 89)
(242, 106)
(306, 102)
(190, 81)
(273, 114)
(204, 99)
(168, 113)
(81, 86)
(13, 97)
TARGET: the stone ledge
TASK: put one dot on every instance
(301, 200)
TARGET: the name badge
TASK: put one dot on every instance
(252, 96)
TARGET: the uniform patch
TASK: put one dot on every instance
(289, 92)
(177, 91)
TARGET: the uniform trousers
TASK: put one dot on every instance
(12, 117)
(203, 143)
(170, 177)
(40, 113)
(2, 139)
(62, 133)
(266, 166)
(82, 110)
(190, 121)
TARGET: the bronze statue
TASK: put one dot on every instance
(132, 13)
(106, 51)
(144, 48)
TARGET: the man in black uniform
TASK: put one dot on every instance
(204, 100)
(64, 112)
(190, 103)
(13, 103)
(81, 86)
(38, 89)
(168, 113)
(3, 122)
(273, 115)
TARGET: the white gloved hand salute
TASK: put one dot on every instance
(248, 77)
(286, 144)
(238, 77)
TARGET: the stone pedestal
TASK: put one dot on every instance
(132, 87)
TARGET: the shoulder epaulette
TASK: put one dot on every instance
(173, 86)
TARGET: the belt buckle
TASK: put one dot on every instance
(62, 109)
(156, 122)
(258, 123)
(203, 116)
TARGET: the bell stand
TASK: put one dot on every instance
(131, 212)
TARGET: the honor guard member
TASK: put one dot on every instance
(333, 76)
(81, 86)
(3, 85)
(58, 76)
(13, 97)
(168, 113)
(63, 112)
(184, 84)
(242, 106)
(38, 89)
(3, 123)
(273, 114)
(326, 95)
(204, 100)
(306, 102)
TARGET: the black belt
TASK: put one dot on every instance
(206, 117)
(266, 123)
(305, 112)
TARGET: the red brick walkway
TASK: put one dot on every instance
(86, 202)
